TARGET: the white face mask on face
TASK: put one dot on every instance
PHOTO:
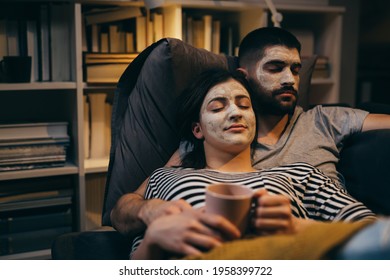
(227, 119)
(275, 79)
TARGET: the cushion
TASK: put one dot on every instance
(365, 165)
(144, 134)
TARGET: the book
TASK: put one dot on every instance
(107, 125)
(158, 27)
(216, 37)
(149, 32)
(28, 131)
(95, 38)
(104, 73)
(32, 48)
(98, 125)
(113, 38)
(86, 126)
(60, 35)
(207, 33)
(198, 33)
(12, 32)
(104, 45)
(34, 163)
(98, 16)
(24, 151)
(140, 40)
(22, 37)
(37, 141)
(189, 31)
(36, 203)
(129, 42)
(16, 223)
(38, 195)
(44, 44)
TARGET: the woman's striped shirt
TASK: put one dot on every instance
(312, 194)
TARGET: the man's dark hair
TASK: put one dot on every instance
(189, 105)
(253, 45)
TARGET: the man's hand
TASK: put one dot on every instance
(155, 208)
(272, 214)
(186, 233)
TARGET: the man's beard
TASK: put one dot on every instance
(273, 104)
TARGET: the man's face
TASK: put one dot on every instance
(275, 80)
(227, 120)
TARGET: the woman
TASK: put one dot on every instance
(217, 118)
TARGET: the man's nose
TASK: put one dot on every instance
(288, 78)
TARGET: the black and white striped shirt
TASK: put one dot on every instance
(312, 194)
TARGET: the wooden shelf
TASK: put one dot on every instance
(38, 86)
(96, 165)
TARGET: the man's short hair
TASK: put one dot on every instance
(253, 45)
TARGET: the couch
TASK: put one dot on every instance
(144, 137)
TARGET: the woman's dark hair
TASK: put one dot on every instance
(189, 105)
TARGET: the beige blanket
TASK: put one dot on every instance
(314, 242)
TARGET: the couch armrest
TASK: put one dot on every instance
(365, 165)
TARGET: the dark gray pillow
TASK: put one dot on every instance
(365, 165)
(144, 133)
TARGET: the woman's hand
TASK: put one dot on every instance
(187, 233)
(272, 214)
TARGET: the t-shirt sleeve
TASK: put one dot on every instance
(339, 122)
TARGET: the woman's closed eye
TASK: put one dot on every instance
(244, 103)
(216, 105)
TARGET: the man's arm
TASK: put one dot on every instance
(376, 121)
(132, 213)
(124, 216)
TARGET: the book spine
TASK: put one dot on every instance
(98, 123)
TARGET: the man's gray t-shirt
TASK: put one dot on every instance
(315, 137)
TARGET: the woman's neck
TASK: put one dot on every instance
(229, 162)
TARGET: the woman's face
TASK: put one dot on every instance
(227, 120)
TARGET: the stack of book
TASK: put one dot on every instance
(34, 212)
(33, 145)
(106, 67)
(321, 68)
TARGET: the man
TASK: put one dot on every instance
(269, 59)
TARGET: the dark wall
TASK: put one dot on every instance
(374, 52)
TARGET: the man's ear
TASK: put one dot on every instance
(197, 131)
(242, 72)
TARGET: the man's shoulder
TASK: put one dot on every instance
(319, 111)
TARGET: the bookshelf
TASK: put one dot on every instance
(62, 97)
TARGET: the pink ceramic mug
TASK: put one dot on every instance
(231, 201)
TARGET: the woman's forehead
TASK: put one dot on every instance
(227, 89)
